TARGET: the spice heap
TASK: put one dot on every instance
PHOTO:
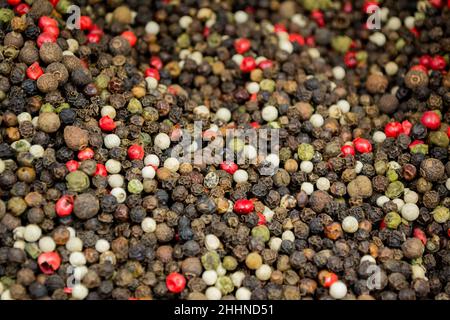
(94, 206)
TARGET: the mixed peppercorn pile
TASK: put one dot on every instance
(94, 206)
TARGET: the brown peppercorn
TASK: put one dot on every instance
(25, 277)
(388, 103)
(47, 83)
(86, 206)
(26, 174)
(319, 200)
(291, 166)
(29, 53)
(61, 235)
(119, 46)
(164, 254)
(76, 138)
(59, 71)
(71, 63)
(123, 15)
(432, 169)
(360, 187)
(376, 83)
(409, 172)
(191, 267)
(415, 79)
(333, 231)
(413, 248)
(14, 39)
(164, 233)
(48, 122)
(50, 52)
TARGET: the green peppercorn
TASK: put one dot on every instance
(77, 181)
(305, 151)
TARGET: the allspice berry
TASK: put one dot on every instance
(123, 15)
(76, 138)
(432, 169)
(59, 71)
(29, 53)
(376, 83)
(47, 83)
(86, 206)
(360, 187)
(50, 52)
(413, 248)
(388, 103)
(48, 122)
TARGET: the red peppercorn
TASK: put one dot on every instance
(85, 23)
(367, 5)
(156, 62)
(100, 170)
(425, 60)
(46, 21)
(419, 234)
(45, 37)
(229, 167)
(348, 7)
(407, 126)
(49, 262)
(436, 3)
(415, 143)
(106, 123)
(206, 31)
(248, 64)
(72, 165)
(13, 2)
(295, 37)
(175, 282)
(34, 71)
(261, 219)
(152, 73)
(243, 206)
(448, 129)
(93, 37)
(242, 45)
(64, 206)
(22, 9)
(255, 125)
(362, 145)
(329, 279)
(130, 37)
(86, 154)
(419, 67)
(415, 32)
(279, 28)
(67, 290)
(393, 129)
(438, 63)
(318, 17)
(54, 2)
(310, 41)
(431, 120)
(265, 64)
(382, 225)
(95, 29)
(348, 150)
(136, 152)
(350, 59)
